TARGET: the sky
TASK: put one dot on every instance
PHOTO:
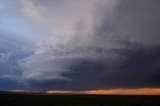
(82, 45)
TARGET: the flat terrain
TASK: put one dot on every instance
(8, 99)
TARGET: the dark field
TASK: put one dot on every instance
(77, 100)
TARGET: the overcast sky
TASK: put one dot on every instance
(79, 44)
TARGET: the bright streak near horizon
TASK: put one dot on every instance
(135, 91)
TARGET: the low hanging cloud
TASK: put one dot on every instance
(99, 44)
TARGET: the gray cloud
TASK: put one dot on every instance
(99, 44)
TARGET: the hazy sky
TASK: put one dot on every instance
(79, 44)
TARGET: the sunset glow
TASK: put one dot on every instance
(138, 91)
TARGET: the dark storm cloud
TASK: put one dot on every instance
(139, 68)
(102, 44)
(131, 20)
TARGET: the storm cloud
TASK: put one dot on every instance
(96, 44)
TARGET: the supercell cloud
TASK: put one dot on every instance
(80, 45)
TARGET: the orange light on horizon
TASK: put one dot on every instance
(136, 91)
(18, 90)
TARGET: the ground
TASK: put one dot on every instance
(8, 99)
